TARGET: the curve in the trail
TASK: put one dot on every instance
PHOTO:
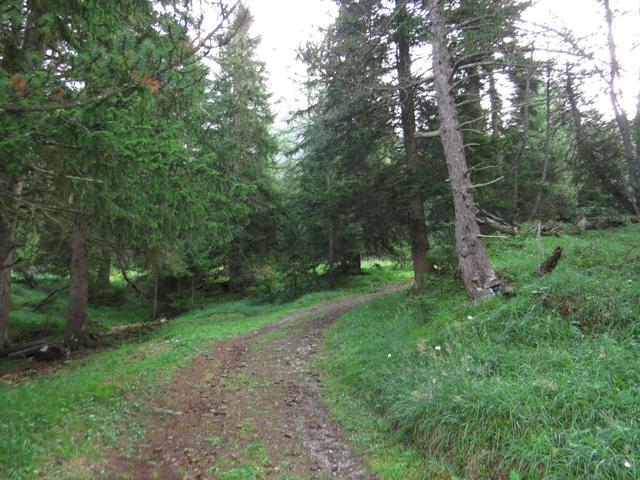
(250, 408)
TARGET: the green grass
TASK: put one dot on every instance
(542, 385)
(56, 426)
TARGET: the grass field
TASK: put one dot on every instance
(545, 384)
(56, 424)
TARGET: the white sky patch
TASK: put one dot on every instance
(284, 25)
(585, 18)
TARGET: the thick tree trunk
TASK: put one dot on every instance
(476, 268)
(547, 144)
(418, 233)
(633, 161)
(7, 228)
(76, 335)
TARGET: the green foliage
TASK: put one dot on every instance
(542, 385)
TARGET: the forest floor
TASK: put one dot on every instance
(249, 407)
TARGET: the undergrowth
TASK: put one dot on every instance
(543, 385)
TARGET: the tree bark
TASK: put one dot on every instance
(418, 233)
(331, 256)
(525, 140)
(547, 144)
(154, 308)
(477, 271)
(7, 231)
(102, 281)
(586, 153)
(76, 335)
(633, 161)
(6, 234)
(496, 106)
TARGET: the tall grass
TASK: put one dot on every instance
(542, 385)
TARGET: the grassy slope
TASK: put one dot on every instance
(54, 426)
(542, 385)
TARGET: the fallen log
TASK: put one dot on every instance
(496, 223)
(550, 263)
(43, 352)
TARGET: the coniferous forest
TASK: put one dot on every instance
(431, 270)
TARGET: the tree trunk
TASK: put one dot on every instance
(237, 280)
(76, 335)
(525, 140)
(356, 265)
(331, 257)
(418, 232)
(633, 161)
(7, 230)
(547, 144)
(496, 106)
(496, 121)
(586, 153)
(476, 268)
(154, 307)
(102, 281)
(6, 234)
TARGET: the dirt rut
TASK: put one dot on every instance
(249, 408)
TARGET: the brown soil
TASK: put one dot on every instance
(250, 408)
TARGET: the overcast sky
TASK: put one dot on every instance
(283, 25)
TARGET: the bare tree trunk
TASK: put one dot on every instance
(496, 121)
(476, 268)
(331, 256)
(525, 140)
(356, 264)
(154, 310)
(418, 233)
(547, 144)
(76, 335)
(622, 121)
(103, 277)
(586, 153)
(496, 106)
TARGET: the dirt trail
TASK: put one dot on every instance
(250, 408)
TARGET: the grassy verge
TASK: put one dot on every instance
(55, 425)
(542, 385)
